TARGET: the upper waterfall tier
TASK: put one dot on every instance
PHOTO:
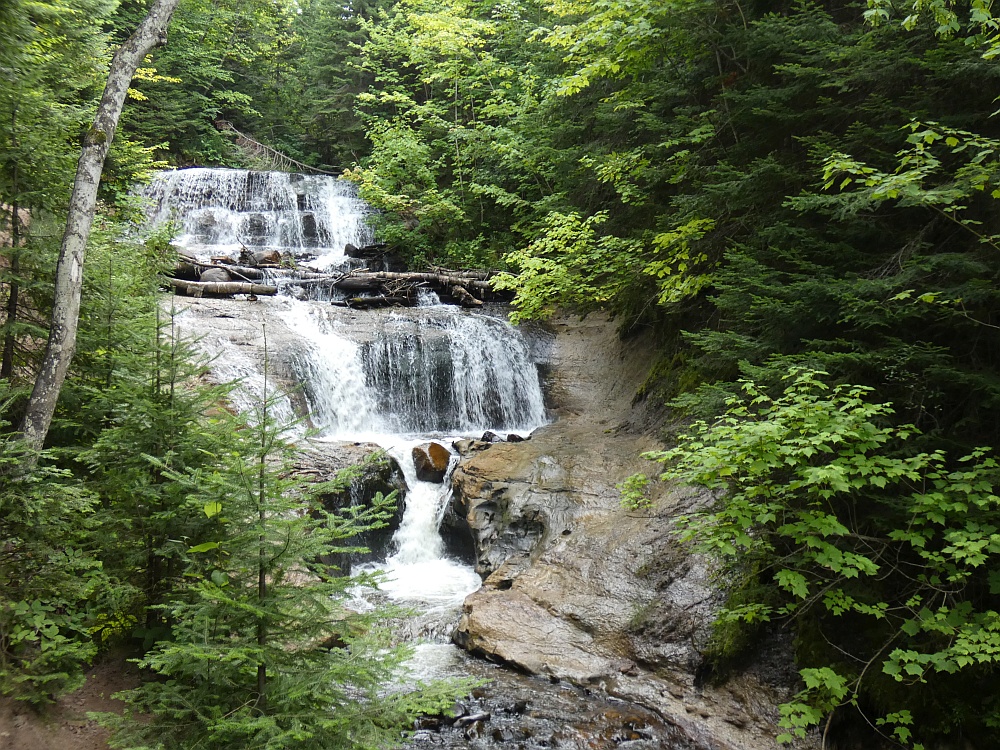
(221, 211)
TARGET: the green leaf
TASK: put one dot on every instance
(204, 547)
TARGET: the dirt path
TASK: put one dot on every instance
(65, 725)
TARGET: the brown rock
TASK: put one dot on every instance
(431, 460)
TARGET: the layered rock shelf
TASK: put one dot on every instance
(578, 588)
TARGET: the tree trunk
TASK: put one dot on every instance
(69, 269)
(10, 337)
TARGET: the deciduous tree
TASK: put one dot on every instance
(69, 269)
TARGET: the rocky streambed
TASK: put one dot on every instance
(578, 590)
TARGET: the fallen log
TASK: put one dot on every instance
(298, 276)
(468, 274)
(200, 288)
(321, 281)
(365, 303)
(437, 279)
(358, 283)
(189, 268)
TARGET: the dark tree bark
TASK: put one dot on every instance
(10, 338)
(69, 268)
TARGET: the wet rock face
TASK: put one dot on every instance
(578, 588)
(512, 500)
(529, 713)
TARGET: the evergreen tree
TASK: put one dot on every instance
(264, 650)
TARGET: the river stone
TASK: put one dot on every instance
(431, 461)
(215, 275)
(465, 446)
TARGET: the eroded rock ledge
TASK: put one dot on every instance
(579, 589)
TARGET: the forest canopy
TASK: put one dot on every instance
(766, 187)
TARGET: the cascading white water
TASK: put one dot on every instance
(331, 370)
(386, 377)
(221, 211)
(431, 370)
(383, 377)
(419, 571)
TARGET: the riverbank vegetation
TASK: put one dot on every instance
(770, 188)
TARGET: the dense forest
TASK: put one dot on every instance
(796, 200)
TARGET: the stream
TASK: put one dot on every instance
(398, 379)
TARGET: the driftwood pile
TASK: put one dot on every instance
(388, 288)
(259, 274)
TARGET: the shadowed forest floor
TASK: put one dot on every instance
(65, 725)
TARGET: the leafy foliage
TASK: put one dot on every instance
(890, 558)
(48, 576)
(263, 650)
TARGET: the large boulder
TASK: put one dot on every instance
(359, 472)
(431, 461)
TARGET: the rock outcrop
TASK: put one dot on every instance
(368, 471)
(578, 588)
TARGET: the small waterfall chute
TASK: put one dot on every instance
(418, 570)
(431, 370)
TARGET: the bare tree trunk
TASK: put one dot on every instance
(69, 269)
(10, 337)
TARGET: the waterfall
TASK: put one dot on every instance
(419, 571)
(397, 378)
(218, 212)
(429, 370)
(331, 371)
